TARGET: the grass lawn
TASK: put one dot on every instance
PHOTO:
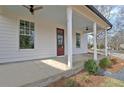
(83, 79)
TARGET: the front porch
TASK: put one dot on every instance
(74, 21)
(40, 72)
(78, 59)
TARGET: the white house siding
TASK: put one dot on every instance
(45, 39)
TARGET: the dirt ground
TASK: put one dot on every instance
(117, 64)
(82, 79)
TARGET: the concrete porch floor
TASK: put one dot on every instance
(27, 72)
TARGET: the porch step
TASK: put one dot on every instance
(51, 79)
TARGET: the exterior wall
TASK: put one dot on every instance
(84, 41)
(45, 39)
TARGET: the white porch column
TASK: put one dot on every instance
(94, 39)
(69, 35)
(106, 43)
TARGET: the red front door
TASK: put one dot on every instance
(60, 42)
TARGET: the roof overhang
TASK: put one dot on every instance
(93, 14)
(92, 8)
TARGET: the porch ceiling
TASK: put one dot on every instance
(85, 11)
(54, 14)
(81, 22)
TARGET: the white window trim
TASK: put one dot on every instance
(25, 50)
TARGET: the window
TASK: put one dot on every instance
(78, 38)
(26, 35)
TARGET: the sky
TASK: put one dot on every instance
(113, 18)
(114, 13)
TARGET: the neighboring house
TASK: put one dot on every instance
(50, 32)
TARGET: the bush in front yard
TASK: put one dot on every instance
(71, 83)
(105, 63)
(91, 66)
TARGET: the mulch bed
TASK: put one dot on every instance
(82, 79)
(117, 64)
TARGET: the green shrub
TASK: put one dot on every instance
(71, 83)
(105, 63)
(91, 66)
